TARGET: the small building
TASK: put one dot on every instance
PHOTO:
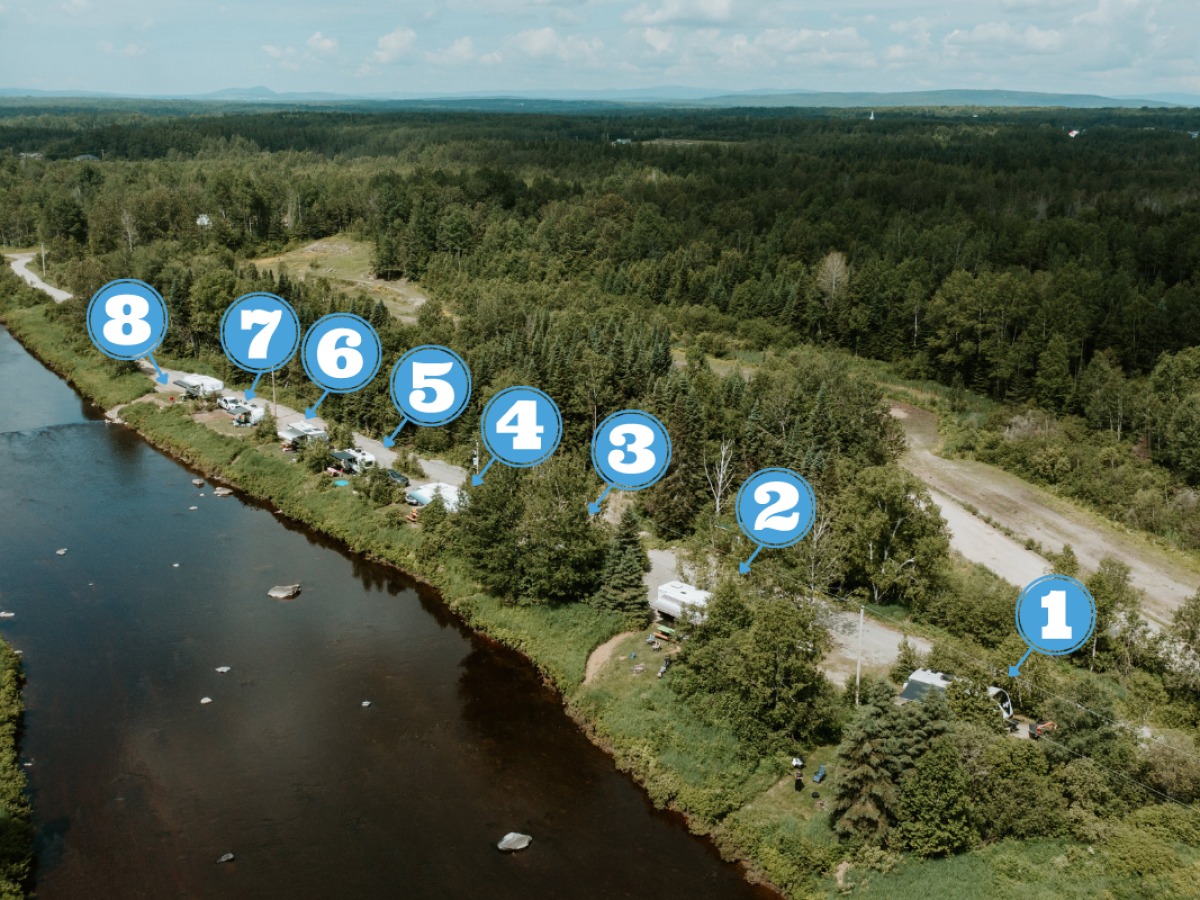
(203, 221)
(922, 681)
(30, 155)
(679, 600)
(86, 157)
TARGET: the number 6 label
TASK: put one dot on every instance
(260, 333)
(127, 319)
(775, 508)
(521, 426)
(341, 354)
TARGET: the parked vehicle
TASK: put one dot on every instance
(397, 478)
(248, 415)
(230, 402)
(200, 385)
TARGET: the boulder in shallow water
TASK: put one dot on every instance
(222, 492)
(198, 482)
(223, 669)
(228, 857)
(284, 591)
(62, 552)
(206, 700)
(515, 841)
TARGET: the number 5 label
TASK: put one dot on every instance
(260, 332)
(430, 385)
(521, 426)
(775, 507)
(127, 319)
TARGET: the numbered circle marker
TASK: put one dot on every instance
(341, 353)
(260, 332)
(1056, 615)
(775, 507)
(431, 385)
(631, 449)
(127, 319)
(521, 426)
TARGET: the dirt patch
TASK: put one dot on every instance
(1167, 577)
(602, 654)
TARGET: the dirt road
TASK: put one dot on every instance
(1030, 511)
(20, 265)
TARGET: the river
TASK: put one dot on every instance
(138, 788)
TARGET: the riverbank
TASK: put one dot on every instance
(683, 764)
(16, 832)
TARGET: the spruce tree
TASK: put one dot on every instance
(934, 809)
(621, 587)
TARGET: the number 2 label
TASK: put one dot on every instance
(775, 507)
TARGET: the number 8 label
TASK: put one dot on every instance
(631, 450)
(127, 319)
(775, 507)
(521, 426)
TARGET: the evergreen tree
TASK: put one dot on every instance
(626, 562)
(1054, 384)
(934, 809)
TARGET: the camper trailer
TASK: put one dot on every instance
(200, 385)
(247, 415)
(922, 681)
(299, 432)
(679, 601)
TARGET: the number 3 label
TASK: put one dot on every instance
(260, 332)
(775, 507)
(431, 385)
(631, 449)
(127, 319)
(521, 426)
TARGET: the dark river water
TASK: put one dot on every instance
(138, 788)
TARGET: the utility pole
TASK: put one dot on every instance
(43, 259)
(858, 672)
(274, 404)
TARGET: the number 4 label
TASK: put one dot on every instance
(528, 432)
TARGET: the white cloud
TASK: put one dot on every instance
(681, 11)
(278, 52)
(492, 59)
(394, 45)
(1000, 38)
(1108, 12)
(461, 51)
(658, 39)
(127, 50)
(318, 43)
(546, 43)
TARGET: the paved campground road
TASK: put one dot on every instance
(1167, 578)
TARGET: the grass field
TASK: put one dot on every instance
(346, 262)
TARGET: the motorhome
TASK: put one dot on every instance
(199, 385)
(680, 601)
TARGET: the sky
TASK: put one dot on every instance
(1110, 47)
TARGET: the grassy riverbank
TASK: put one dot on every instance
(16, 833)
(746, 802)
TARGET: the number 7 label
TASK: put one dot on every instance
(260, 333)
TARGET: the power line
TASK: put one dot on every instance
(987, 665)
(1120, 775)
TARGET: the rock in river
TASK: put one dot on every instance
(284, 591)
(515, 841)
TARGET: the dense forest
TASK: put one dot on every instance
(1053, 279)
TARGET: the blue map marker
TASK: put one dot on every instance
(1056, 615)
(521, 427)
(775, 508)
(260, 333)
(341, 354)
(430, 385)
(631, 450)
(127, 319)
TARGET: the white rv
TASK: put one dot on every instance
(679, 600)
(200, 385)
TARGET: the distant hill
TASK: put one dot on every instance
(667, 95)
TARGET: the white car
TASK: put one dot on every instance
(228, 403)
